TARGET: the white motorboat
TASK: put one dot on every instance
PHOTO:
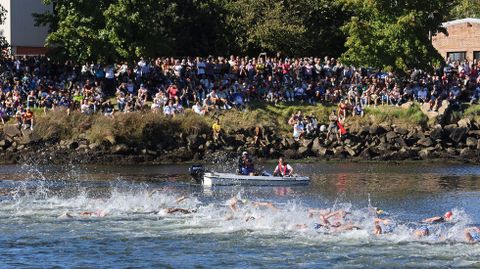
(213, 178)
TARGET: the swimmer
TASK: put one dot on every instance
(338, 216)
(446, 217)
(98, 213)
(65, 215)
(312, 212)
(421, 232)
(176, 210)
(472, 234)
(336, 229)
(264, 204)
(382, 226)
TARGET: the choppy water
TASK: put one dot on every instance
(127, 226)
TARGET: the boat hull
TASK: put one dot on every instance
(225, 179)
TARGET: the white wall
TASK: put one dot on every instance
(5, 28)
(23, 29)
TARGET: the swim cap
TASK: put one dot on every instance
(448, 214)
(245, 153)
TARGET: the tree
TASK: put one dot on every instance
(394, 34)
(294, 27)
(77, 30)
(3, 41)
(466, 9)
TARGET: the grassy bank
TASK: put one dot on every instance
(138, 127)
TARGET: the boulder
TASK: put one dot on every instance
(121, 149)
(424, 154)
(93, 146)
(458, 134)
(376, 130)
(425, 142)
(400, 131)
(436, 133)
(73, 145)
(471, 142)
(316, 145)
(110, 139)
(465, 123)
(467, 153)
(391, 136)
(303, 151)
(350, 151)
(11, 130)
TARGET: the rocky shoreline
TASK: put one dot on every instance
(458, 142)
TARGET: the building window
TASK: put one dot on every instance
(476, 55)
(457, 56)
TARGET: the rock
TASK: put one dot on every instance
(424, 154)
(426, 142)
(3, 143)
(20, 147)
(376, 130)
(307, 143)
(478, 144)
(458, 134)
(449, 128)
(474, 133)
(465, 123)
(120, 149)
(443, 107)
(73, 145)
(467, 153)
(391, 136)
(303, 151)
(110, 139)
(93, 145)
(400, 131)
(316, 145)
(436, 133)
(407, 105)
(209, 145)
(82, 147)
(350, 151)
(364, 130)
(292, 154)
(471, 142)
(11, 130)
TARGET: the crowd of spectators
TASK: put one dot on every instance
(172, 85)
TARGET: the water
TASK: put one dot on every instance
(127, 225)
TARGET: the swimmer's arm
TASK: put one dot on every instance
(432, 219)
(181, 199)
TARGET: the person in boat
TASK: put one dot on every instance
(283, 169)
(472, 234)
(437, 219)
(245, 165)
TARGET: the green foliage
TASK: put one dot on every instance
(413, 116)
(466, 9)
(394, 34)
(303, 27)
(3, 41)
(377, 33)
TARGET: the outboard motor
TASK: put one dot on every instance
(197, 171)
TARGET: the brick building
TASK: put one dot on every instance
(19, 27)
(462, 42)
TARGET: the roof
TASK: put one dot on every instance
(466, 20)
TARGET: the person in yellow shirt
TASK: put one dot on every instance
(217, 131)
